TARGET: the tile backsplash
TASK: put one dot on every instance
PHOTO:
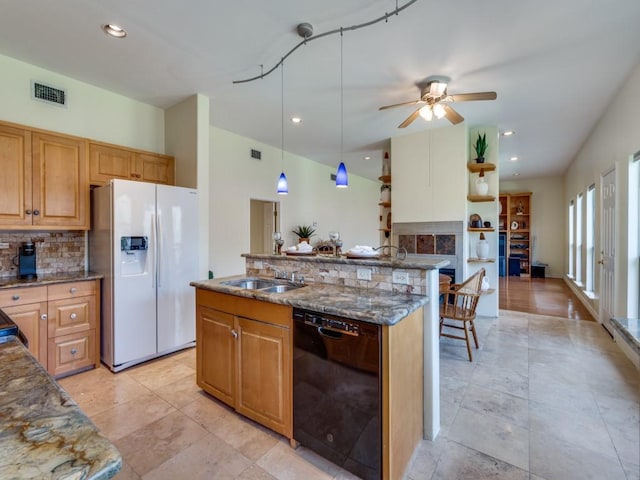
(56, 252)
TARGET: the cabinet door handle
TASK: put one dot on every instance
(234, 333)
(28, 212)
(15, 297)
(74, 351)
(73, 290)
(43, 316)
(73, 316)
(36, 212)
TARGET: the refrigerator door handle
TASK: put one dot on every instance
(159, 247)
(154, 243)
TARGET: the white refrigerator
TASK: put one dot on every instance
(144, 241)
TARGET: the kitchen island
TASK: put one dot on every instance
(247, 344)
(43, 433)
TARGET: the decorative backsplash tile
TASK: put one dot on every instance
(408, 242)
(426, 244)
(56, 252)
(445, 244)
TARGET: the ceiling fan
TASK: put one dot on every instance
(434, 99)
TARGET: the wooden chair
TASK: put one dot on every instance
(459, 308)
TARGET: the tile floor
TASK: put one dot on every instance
(546, 398)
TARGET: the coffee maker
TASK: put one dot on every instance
(27, 261)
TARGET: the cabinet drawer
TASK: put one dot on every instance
(72, 289)
(71, 315)
(71, 352)
(22, 296)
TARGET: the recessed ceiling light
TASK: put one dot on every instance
(516, 174)
(114, 30)
(508, 133)
(367, 157)
(296, 120)
(513, 159)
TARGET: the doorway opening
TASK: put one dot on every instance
(264, 221)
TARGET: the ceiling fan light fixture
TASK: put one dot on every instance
(437, 88)
(426, 113)
(438, 111)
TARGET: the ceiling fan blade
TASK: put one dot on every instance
(413, 102)
(468, 97)
(453, 116)
(409, 120)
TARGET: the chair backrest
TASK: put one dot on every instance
(461, 301)
(473, 283)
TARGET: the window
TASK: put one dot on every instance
(578, 277)
(571, 239)
(590, 260)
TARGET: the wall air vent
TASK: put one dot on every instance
(257, 154)
(49, 94)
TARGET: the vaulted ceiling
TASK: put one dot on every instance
(555, 65)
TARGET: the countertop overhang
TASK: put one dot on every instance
(369, 305)
(43, 433)
(391, 262)
(47, 279)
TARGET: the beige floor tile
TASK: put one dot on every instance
(246, 436)
(130, 416)
(502, 379)
(207, 459)
(425, 459)
(554, 459)
(283, 463)
(157, 442)
(157, 373)
(181, 392)
(127, 473)
(254, 472)
(497, 404)
(207, 411)
(493, 436)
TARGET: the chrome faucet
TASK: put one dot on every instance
(277, 273)
(296, 277)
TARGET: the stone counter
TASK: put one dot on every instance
(43, 433)
(366, 304)
(47, 279)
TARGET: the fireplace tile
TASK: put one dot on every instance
(426, 244)
(445, 244)
(408, 242)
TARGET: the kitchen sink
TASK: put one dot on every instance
(262, 284)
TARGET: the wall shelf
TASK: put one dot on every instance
(480, 260)
(385, 178)
(481, 198)
(476, 167)
(385, 204)
(483, 229)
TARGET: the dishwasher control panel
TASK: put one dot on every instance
(324, 320)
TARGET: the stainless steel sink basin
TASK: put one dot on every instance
(280, 288)
(262, 284)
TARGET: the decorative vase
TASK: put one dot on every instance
(482, 248)
(485, 284)
(385, 195)
(482, 187)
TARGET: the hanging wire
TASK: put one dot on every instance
(341, 99)
(384, 17)
(282, 111)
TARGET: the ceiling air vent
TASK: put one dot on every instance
(48, 94)
(257, 154)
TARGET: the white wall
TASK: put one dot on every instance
(612, 143)
(236, 178)
(91, 112)
(548, 218)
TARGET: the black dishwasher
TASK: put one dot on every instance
(336, 390)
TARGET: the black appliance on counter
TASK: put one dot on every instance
(27, 261)
(336, 390)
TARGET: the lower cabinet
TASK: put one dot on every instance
(60, 322)
(244, 356)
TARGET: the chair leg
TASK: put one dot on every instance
(466, 337)
(473, 330)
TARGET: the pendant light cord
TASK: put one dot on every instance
(384, 17)
(341, 100)
(282, 112)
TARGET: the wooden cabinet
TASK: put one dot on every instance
(44, 183)
(60, 321)
(429, 175)
(515, 221)
(110, 161)
(243, 356)
(27, 307)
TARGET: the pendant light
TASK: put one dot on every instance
(342, 179)
(283, 186)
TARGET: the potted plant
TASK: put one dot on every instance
(304, 232)
(481, 147)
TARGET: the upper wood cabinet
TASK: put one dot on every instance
(109, 161)
(44, 182)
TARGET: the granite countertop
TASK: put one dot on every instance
(409, 262)
(369, 305)
(43, 433)
(46, 279)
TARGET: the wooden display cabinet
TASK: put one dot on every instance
(515, 221)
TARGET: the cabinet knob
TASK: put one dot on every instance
(28, 212)
(36, 212)
(73, 316)
(74, 351)
(234, 333)
(15, 297)
(43, 316)
(73, 289)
